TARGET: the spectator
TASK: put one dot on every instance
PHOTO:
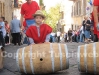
(77, 35)
(58, 36)
(2, 32)
(27, 10)
(82, 34)
(70, 35)
(42, 31)
(92, 28)
(86, 25)
(73, 36)
(53, 37)
(96, 17)
(15, 30)
(7, 27)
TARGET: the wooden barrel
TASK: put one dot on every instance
(88, 58)
(42, 58)
(1, 57)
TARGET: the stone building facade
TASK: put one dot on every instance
(80, 8)
(6, 9)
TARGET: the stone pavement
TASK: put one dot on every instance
(10, 67)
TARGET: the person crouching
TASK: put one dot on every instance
(40, 32)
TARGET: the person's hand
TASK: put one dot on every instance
(22, 28)
(97, 26)
(87, 24)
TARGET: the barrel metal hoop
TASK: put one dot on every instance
(23, 63)
(67, 59)
(78, 58)
(94, 58)
(60, 51)
(31, 61)
(85, 57)
(17, 59)
(52, 57)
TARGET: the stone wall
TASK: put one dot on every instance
(6, 9)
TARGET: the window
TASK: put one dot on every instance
(2, 9)
(72, 27)
(84, 7)
(75, 27)
(15, 3)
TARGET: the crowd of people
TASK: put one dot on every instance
(83, 34)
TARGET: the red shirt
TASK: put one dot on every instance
(29, 9)
(96, 2)
(32, 32)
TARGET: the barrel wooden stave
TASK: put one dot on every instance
(90, 62)
(1, 56)
(39, 67)
(45, 66)
(97, 58)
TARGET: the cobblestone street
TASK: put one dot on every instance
(10, 67)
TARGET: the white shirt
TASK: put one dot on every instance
(3, 28)
(58, 33)
(81, 29)
(53, 34)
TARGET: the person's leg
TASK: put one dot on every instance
(2, 39)
(92, 36)
(71, 38)
(84, 37)
(81, 37)
(58, 39)
(14, 38)
(6, 39)
(52, 38)
(98, 35)
(18, 38)
(77, 38)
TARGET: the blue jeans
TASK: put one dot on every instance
(30, 22)
(81, 37)
(77, 38)
(53, 38)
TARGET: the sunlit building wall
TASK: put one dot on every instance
(66, 6)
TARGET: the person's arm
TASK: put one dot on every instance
(47, 38)
(31, 40)
(95, 12)
(1, 25)
(37, 6)
(22, 16)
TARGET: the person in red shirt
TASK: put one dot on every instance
(96, 17)
(40, 32)
(27, 10)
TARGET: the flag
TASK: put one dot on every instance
(90, 2)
